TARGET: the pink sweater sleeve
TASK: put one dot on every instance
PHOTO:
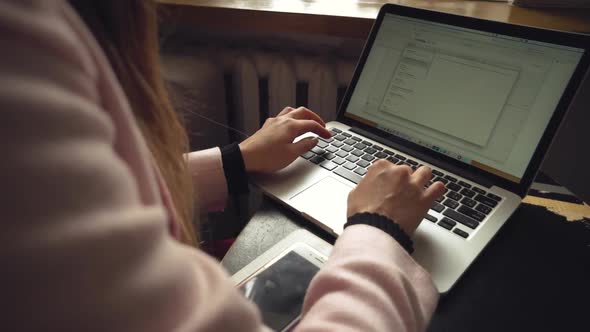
(370, 283)
(83, 248)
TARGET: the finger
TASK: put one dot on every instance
(303, 113)
(378, 166)
(286, 111)
(434, 191)
(303, 145)
(403, 171)
(300, 127)
(422, 176)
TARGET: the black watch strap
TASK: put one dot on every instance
(385, 224)
(234, 169)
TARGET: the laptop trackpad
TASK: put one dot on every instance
(324, 201)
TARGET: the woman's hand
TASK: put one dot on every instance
(395, 192)
(271, 148)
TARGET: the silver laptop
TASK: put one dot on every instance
(477, 101)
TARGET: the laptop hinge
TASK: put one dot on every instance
(429, 159)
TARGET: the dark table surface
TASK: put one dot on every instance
(533, 276)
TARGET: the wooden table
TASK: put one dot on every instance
(352, 18)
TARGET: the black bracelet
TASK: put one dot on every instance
(385, 224)
(234, 169)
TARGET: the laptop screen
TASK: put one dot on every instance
(481, 98)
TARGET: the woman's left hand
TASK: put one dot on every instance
(271, 148)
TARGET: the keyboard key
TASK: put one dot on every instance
(363, 163)
(360, 171)
(370, 150)
(349, 165)
(430, 218)
(368, 157)
(468, 192)
(337, 144)
(437, 173)
(449, 221)
(342, 154)
(450, 178)
(329, 156)
(450, 203)
(358, 153)
(389, 153)
(486, 200)
(380, 155)
(471, 213)
(400, 157)
(454, 195)
(331, 149)
(340, 137)
(336, 130)
(360, 146)
(494, 197)
(465, 220)
(328, 165)
(440, 199)
(352, 159)
(347, 148)
(322, 144)
(437, 207)
(393, 160)
(412, 162)
(367, 143)
(317, 159)
(438, 178)
(346, 134)
(317, 150)
(377, 147)
(349, 142)
(460, 233)
(338, 161)
(446, 223)
(358, 139)
(483, 208)
(464, 184)
(478, 190)
(453, 186)
(327, 140)
(468, 201)
(308, 155)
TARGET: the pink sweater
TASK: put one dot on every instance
(85, 242)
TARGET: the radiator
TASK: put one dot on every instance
(238, 89)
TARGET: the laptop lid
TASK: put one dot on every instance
(479, 98)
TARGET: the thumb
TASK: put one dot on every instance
(304, 145)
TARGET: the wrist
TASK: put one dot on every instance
(247, 157)
(234, 169)
(385, 224)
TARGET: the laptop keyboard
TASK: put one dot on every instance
(460, 210)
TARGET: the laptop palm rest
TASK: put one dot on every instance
(324, 201)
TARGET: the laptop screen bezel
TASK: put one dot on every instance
(507, 29)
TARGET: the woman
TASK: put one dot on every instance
(96, 194)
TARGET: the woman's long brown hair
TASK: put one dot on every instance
(127, 31)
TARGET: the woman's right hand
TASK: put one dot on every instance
(395, 192)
